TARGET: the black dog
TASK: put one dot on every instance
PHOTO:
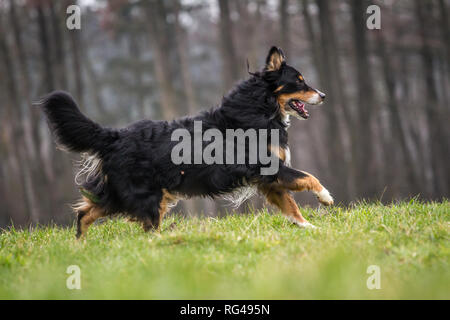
(130, 171)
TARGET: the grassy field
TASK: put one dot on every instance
(250, 256)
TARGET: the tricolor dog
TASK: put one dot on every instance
(130, 170)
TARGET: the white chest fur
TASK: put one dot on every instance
(287, 160)
(286, 120)
(287, 151)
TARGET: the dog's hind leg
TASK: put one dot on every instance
(86, 219)
(80, 215)
(87, 213)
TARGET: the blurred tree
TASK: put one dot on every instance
(182, 47)
(56, 13)
(230, 63)
(436, 117)
(285, 31)
(14, 134)
(76, 48)
(158, 28)
(46, 52)
(396, 125)
(384, 123)
(333, 86)
(363, 151)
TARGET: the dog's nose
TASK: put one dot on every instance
(322, 95)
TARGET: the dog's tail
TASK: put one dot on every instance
(71, 129)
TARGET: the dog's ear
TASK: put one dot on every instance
(275, 59)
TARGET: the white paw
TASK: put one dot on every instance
(305, 224)
(325, 197)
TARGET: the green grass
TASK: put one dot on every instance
(254, 256)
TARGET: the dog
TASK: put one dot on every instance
(130, 171)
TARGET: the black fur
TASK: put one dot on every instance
(136, 161)
(71, 128)
(80, 215)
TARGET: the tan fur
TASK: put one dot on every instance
(167, 201)
(281, 198)
(275, 62)
(308, 183)
(279, 88)
(278, 194)
(278, 151)
(304, 96)
(83, 205)
(91, 213)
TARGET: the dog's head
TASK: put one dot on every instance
(289, 86)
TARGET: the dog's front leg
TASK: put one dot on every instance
(296, 180)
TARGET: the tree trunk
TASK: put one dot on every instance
(49, 79)
(31, 116)
(60, 60)
(398, 131)
(135, 53)
(443, 10)
(230, 64)
(94, 82)
(335, 137)
(158, 27)
(364, 159)
(437, 119)
(284, 26)
(182, 46)
(31, 121)
(316, 58)
(15, 136)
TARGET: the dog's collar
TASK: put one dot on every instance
(89, 195)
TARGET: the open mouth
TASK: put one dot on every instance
(299, 107)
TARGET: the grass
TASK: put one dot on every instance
(254, 256)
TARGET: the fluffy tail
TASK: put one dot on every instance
(71, 128)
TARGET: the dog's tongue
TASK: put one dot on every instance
(300, 108)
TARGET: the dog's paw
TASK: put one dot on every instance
(325, 197)
(172, 226)
(305, 224)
